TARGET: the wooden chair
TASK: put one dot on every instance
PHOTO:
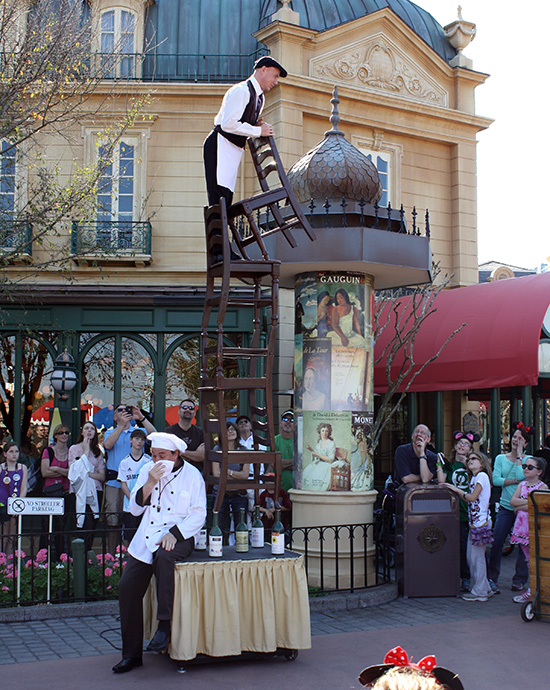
(266, 160)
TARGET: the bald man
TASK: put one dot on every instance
(170, 495)
(412, 462)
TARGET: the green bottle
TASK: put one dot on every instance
(215, 539)
(241, 534)
(257, 536)
(277, 535)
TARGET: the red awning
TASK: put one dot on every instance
(498, 348)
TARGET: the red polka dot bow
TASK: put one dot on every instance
(398, 657)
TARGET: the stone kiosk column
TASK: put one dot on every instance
(333, 405)
(357, 245)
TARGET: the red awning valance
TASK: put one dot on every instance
(498, 348)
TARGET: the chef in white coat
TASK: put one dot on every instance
(170, 494)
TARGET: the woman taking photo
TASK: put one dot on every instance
(88, 444)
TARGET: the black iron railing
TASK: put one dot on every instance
(57, 567)
(344, 213)
(179, 67)
(15, 237)
(117, 238)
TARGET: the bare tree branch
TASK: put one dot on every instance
(404, 314)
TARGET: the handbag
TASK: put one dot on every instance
(54, 491)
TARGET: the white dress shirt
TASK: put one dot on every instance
(232, 107)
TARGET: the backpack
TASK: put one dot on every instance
(35, 480)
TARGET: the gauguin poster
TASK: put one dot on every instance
(333, 381)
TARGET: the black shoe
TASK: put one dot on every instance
(159, 643)
(127, 665)
(517, 588)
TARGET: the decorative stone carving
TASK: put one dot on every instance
(379, 64)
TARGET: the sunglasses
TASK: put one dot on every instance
(63, 433)
(187, 407)
(287, 419)
(120, 409)
(530, 467)
(243, 421)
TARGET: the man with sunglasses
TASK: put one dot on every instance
(192, 434)
(117, 444)
(284, 444)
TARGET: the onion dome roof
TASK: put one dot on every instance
(335, 169)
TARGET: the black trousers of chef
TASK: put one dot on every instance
(133, 586)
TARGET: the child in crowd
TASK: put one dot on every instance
(13, 483)
(128, 472)
(533, 471)
(478, 497)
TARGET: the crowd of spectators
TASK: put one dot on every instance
(96, 474)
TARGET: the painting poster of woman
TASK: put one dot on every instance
(325, 452)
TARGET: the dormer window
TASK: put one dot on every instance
(117, 38)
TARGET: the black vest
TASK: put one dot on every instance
(249, 115)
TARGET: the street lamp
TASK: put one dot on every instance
(63, 378)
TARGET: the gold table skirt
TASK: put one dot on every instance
(222, 608)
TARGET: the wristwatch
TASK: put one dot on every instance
(230, 473)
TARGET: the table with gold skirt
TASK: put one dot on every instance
(252, 602)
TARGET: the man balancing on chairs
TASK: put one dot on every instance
(171, 496)
(238, 119)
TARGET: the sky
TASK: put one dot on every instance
(514, 152)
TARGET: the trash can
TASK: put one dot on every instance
(427, 543)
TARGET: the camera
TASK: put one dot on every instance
(128, 409)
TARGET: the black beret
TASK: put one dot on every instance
(267, 61)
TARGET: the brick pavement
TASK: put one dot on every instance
(96, 635)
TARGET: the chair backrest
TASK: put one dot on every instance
(266, 159)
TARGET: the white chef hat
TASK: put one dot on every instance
(160, 439)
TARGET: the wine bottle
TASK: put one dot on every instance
(241, 534)
(215, 539)
(257, 535)
(277, 535)
(201, 539)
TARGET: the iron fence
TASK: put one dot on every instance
(48, 567)
(345, 213)
(117, 238)
(15, 237)
(154, 66)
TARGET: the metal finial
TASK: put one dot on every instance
(334, 118)
(335, 115)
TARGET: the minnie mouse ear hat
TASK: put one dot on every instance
(473, 438)
(398, 657)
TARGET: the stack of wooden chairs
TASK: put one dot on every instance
(228, 263)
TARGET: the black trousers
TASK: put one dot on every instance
(133, 586)
(210, 156)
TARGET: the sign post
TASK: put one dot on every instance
(34, 506)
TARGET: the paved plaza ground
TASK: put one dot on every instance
(486, 643)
